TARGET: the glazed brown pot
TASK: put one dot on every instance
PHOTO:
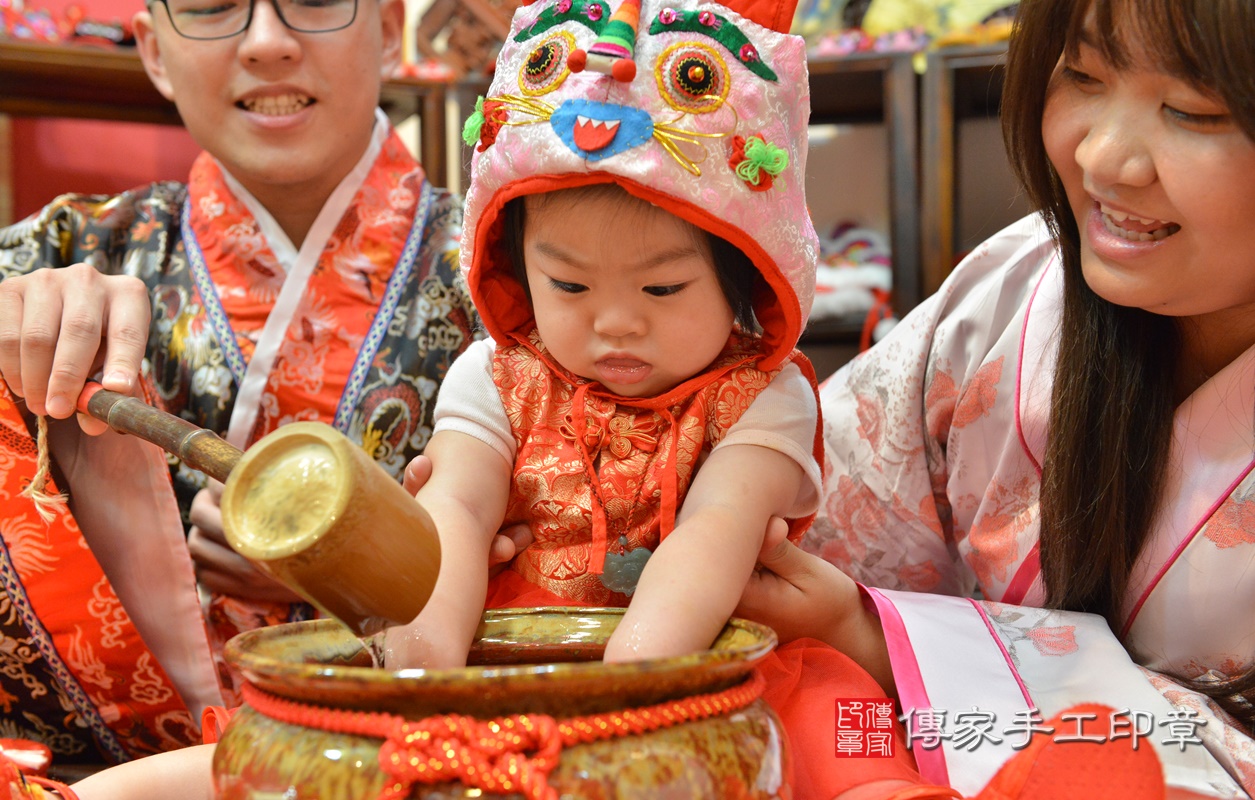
(541, 664)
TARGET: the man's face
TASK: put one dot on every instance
(285, 112)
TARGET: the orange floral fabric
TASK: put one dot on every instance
(342, 297)
(597, 473)
(74, 671)
(365, 351)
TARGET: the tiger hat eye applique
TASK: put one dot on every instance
(546, 66)
(692, 78)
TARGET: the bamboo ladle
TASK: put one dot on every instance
(308, 507)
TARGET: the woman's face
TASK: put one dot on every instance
(1161, 181)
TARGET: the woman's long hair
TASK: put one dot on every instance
(1117, 374)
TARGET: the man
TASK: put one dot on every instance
(307, 270)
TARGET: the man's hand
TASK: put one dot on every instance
(52, 325)
(219, 568)
(508, 542)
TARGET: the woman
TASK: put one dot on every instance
(1121, 322)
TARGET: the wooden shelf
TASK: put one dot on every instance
(831, 342)
(960, 82)
(854, 88)
(882, 87)
(41, 80)
(83, 82)
(830, 329)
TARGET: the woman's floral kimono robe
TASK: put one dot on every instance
(935, 440)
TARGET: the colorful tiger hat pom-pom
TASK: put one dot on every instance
(757, 161)
(482, 125)
(613, 52)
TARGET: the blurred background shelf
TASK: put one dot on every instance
(878, 87)
(42, 80)
(959, 83)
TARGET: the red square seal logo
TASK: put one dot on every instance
(864, 728)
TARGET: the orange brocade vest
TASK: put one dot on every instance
(599, 477)
(76, 674)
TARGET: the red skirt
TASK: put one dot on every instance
(806, 680)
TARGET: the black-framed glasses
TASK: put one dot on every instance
(222, 19)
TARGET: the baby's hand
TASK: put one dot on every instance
(800, 595)
(413, 647)
(508, 542)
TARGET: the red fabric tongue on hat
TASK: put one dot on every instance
(592, 135)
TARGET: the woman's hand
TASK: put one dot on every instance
(797, 594)
(800, 595)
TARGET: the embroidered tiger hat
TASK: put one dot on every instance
(696, 107)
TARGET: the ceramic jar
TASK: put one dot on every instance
(317, 716)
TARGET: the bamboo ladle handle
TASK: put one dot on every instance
(307, 506)
(197, 447)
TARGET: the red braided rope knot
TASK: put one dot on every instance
(493, 755)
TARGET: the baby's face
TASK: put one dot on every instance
(624, 293)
